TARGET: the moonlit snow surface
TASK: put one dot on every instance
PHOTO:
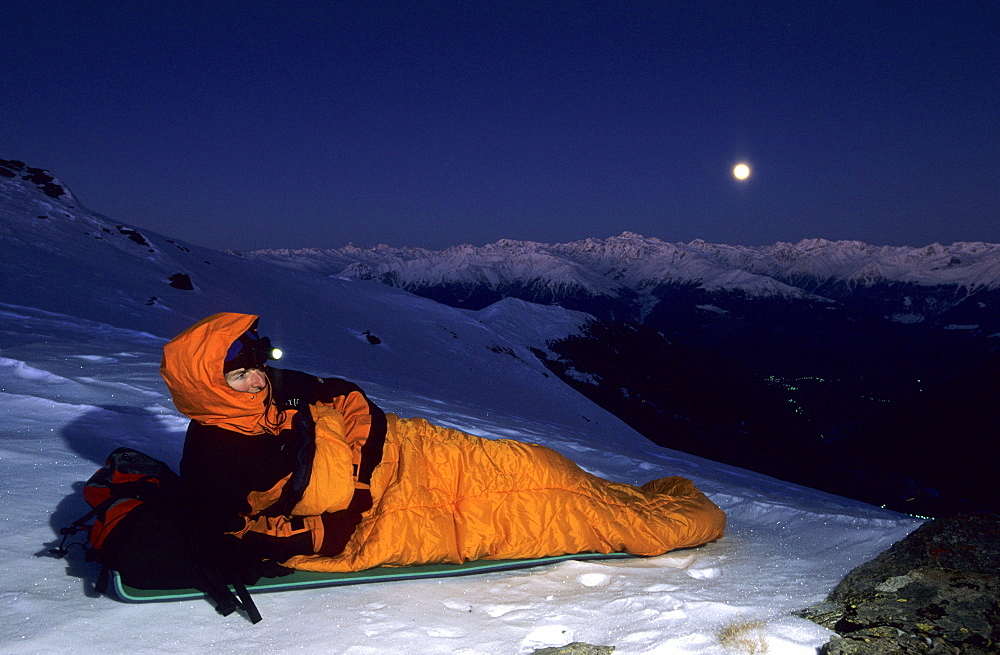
(84, 314)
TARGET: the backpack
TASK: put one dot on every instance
(137, 528)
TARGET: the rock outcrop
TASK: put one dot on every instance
(935, 592)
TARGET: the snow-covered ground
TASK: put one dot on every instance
(85, 308)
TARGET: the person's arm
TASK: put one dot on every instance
(219, 468)
(364, 421)
(291, 389)
(366, 426)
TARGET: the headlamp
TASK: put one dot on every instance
(250, 350)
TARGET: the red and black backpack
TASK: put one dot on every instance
(136, 527)
(127, 480)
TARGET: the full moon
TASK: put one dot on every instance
(741, 171)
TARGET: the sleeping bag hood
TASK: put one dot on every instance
(192, 367)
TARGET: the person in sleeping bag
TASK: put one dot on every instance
(309, 472)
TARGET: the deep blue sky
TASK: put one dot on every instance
(313, 124)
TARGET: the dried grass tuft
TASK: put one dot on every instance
(743, 637)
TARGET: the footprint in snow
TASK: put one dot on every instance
(705, 573)
(593, 579)
(458, 605)
(97, 359)
(548, 635)
(443, 632)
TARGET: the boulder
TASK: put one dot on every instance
(935, 592)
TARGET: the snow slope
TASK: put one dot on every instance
(86, 304)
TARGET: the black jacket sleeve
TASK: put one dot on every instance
(219, 468)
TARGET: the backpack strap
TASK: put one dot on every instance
(79, 525)
(246, 602)
(101, 586)
(225, 602)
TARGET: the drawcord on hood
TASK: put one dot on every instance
(280, 422)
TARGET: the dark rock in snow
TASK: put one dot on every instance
(575, 648)
(181, 281)
(45, 182)
(40, 178)
(937, 591)
(133, 235)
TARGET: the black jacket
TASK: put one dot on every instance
(219, 467)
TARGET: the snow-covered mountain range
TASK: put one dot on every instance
(728, 299)
(634, 266)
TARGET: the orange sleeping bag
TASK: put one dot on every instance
(443, 496)
(439, 495)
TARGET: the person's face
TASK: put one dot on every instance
(247, 380)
